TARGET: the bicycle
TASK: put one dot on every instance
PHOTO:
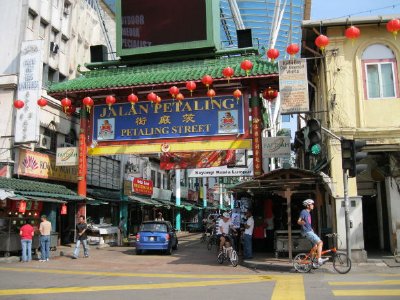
(228, 253)
(212, 240)
(304, 262)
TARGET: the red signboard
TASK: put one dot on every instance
(142, 186)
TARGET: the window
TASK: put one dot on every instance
(158, 180)
(31, 19)
(379, 72)
(153, 176)
(42, 29)
(63, 44)
(51, 131)
(71, 138)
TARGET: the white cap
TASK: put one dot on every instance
(226, 215)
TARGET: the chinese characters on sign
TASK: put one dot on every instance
(293, 86)
(142, 186)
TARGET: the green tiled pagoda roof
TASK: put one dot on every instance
(35, 188)
(120, 77)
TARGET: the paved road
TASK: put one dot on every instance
(190, 273)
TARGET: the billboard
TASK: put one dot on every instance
(196, 117)
(151, 26)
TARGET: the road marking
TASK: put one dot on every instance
(169, 285)
(365, 292)
(287, 287)
(382, 282)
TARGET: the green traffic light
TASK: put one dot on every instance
(316, 149)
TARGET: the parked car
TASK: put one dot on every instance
(156, 235)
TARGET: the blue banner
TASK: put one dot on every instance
(194, 117)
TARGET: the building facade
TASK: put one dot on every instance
(355, 95)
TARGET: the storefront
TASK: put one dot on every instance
(276, 200)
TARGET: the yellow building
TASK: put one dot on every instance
(355, 93)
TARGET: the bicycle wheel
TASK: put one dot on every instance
(234, 258)
(203, 238)
(302, 263)
(221, 257)
(341, 263)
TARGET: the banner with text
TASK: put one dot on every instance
(293, 86)
(195, 117)
(29, 90)
(276, 147)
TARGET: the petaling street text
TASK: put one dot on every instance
(166, 130)
(168, 107)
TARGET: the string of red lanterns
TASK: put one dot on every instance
(393, 26)
(270, 94)
(110, 100)
(173, 90)
(273, 54)
(352, 33)
(207, 80)
(321, 42)
(65, 103)
(228, 72)
(18, 104)
(292, 49)
(88, 102)
(132, 99)
(191, 86)
(211, 93)
(42, 102)
(246, 65)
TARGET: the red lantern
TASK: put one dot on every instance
(322, 41)
(42, 102)
(152, 97)
(88, 102)
(22, 207)
(63, 209)
(110, 100)
(273, 54)
(191, 86)
(292, 49)
(352, 33)
(270, 94)
(228, 72)
(70, 110)
(65, 103)
(211, 93)
(393, 26)
(237, 94)
(207, 80)
(173, 90)
(246, 65)
(132, 98)
(180, 97)
(158, 100)
(19, 104)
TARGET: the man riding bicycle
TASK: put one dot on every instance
(224, 225)
(306, 229)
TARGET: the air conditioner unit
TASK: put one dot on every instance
(66, 145)
(44, 141)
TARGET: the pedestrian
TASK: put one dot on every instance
(248, 235)
(81, 237)
(26, 232)
(121, 230)
(159, 217)
(45, 230)
(306, 229)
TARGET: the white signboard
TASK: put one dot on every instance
(29, 91)
(222, 171)
(276, 146)
(67, 156)
(293, 86)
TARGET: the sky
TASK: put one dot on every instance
(327, 9)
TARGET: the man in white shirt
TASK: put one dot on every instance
(248, 236)
(224, 225)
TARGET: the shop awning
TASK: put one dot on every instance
(144, 201)
(104, 195)
(43, 190)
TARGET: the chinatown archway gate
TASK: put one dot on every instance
(199, 122)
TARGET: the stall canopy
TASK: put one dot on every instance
(38, 191)
(285, 183)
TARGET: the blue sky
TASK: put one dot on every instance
(326, 9)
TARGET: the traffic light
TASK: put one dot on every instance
(314, 136)
(298, 139)
(351, 155)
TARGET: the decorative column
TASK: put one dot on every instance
(178, 199)
(256, 129)
(82, 165)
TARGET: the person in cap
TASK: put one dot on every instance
(306, 228)
(248, 235)
(224, 225)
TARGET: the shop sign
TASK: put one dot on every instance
(194, 117)
(29, 89)
(293, 86)
(40, 165)
(276, 146)
(29, 205)
(67, 156)
(142, 186)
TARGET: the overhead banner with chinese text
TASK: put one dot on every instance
(293, 86)
(195, 117)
